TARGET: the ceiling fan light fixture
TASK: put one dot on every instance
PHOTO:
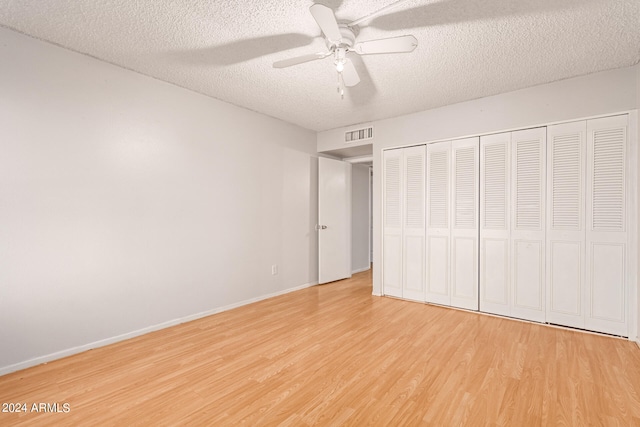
(340, 58)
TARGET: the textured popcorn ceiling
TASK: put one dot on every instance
(466, 48)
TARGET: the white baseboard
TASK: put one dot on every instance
(101, 343)
(360, 270)
(638, 341)
(376, 294)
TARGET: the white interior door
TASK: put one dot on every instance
(413, 233)
(528, 148)
(438, 222)
(606, 240)
(495, 262)
(587, 231)
(566, 159)
(512, 233)
(334, 220)
(392, 170)
(464, 223)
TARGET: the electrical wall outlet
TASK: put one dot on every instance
(274, 269)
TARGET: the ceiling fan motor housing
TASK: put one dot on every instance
(348, 37)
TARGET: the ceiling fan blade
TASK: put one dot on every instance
(391, 45)
(376, 13)
(349, 74)
(327, 22)
(300, 59)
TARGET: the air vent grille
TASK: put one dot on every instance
(358, 135)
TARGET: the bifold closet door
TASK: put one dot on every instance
(404, 223)
(392, 222)
(495, 160)
(464, 223)
(452, 223)
(586, 235)
(438, 224)
(528, 199)
(512, 260)
(413, 230)
(606, 238)
(566, 175)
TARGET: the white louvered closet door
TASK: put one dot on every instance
(494, 224)
(606, 238)
(413, 233)
(566, 175)
(438, 222)
(528, 177)
(392, 222)
(464, 223)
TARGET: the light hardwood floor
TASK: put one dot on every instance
(336, 355)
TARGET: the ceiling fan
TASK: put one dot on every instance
(341, 41)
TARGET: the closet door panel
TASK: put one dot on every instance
(413, 286)
(606, 225)
(527, 227)
(495, 276)
(414, 223)
(438, 265)
(464, 277)
(606, 282)
(566, 267)
(528, 277)
(392, 268)
(494, 224)
(438, 222)
(392, 223)
(565, 286)
(464, 223)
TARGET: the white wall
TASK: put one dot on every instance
(638, 198)
(359, 218)
(596, 94)
(127, 203)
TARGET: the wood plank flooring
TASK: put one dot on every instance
(336, 355)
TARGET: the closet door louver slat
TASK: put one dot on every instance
(608, 180)
(566, 168)
(528, 179)
(495, 179)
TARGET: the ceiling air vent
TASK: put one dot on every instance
(358, 135)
